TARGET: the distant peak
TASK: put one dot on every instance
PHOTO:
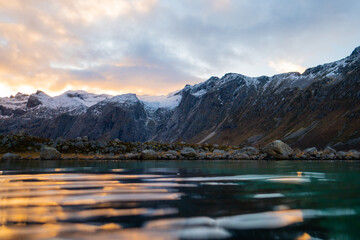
(128, 97)
(20, 95)
(75, 92)
(38, 92)
(356, 52)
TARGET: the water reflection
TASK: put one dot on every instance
(174, 202)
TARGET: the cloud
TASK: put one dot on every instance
(158, 46)
(284, 67)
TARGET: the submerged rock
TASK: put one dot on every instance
(278, 150)
(49, 153)
(10, 156)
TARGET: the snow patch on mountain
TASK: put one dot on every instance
(199, 93)
(171, 101)
(128, 98)
(15, 102)
(71, 100)
(85, 98)
(200, 89)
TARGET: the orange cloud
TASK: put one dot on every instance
(89, 11)
(42, 51)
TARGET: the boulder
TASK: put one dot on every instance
(201, 156)
(219, 152)
(341, 155)
(329, 150)
(353, 154)
(188, 152)
(278, 150)
(250, 150)
(10, 156)
(239, 156)
(311, 152)
(330, 156)
(149, 155)
(170, 155)
(49, 153)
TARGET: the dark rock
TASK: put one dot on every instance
(278, 150)
(240, 156)
(49, 153)
(218, 152)
(329, 150)
(11, 156)
(353, 154)
(133, 156)
(311, 152)
(65, 147)
(341, 155)
(329, 156)
(188, 152)
(170, 155)
(149, 155)
(33, 101)
(250, 150)
(79, 144)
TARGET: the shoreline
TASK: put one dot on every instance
(16, 147)
(31, 156)
(120, 158)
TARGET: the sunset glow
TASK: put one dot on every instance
(156, 47)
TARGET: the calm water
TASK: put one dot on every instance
(179, 200)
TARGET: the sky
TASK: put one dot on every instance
(158, 46)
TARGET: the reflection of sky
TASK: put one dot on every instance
(109, 205)
(157, 46)
(50, 200)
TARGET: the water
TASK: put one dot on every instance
(179, 200)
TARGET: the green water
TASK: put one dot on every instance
(180, 200)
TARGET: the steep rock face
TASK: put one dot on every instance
(205, 107)
(317, 108)
(125, 120)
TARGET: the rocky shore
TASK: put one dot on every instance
(14, 147)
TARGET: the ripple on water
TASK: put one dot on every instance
(119, 205)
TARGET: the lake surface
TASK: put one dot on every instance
(180, 200)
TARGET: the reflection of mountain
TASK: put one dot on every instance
(317, 108)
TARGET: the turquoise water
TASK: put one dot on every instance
(180, 200)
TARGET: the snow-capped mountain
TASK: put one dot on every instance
(316, 108)
(77, 102)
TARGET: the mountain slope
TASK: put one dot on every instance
(317, 108)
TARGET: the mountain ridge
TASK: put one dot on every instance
(233, 109)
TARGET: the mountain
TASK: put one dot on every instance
(320, 107)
